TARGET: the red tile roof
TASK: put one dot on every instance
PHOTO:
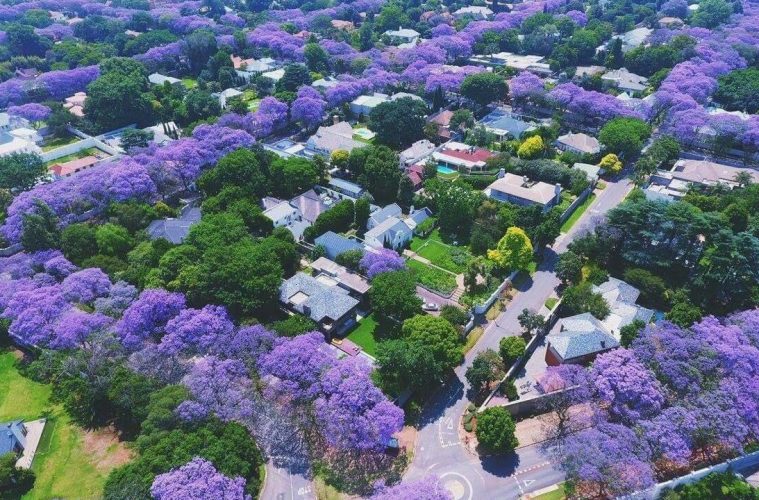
(73, 166)
(479, 154)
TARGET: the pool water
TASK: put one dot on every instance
(445, 170)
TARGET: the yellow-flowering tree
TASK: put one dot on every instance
(611, 163)
(532, 147)
(514, 250)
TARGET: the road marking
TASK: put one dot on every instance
(528, 482)
(457, 489)
(530, 469)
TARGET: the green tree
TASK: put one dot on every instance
(21, 171)
(530, 321)
(40, 228)
(338, 219)
(200, 46)
(624, 136)
(715, 485)
(351, 259)
(630, 332)
(461, 119)
(405, 192)
(317, 58)
(292, 176)
(580, 299)
(113, 240)
(531, 148)
(403, 364)
(487, 367)
(362, 212)
(243, 169)
(484, 88)
(510, 349)
(14, 481)
(393, 296)
(514, 250)
(400, 122)
(437, 335)
(135, 138)
(119, 96)
(381, 174)
(739, 90)
(569, 268)
(78, 242)
(294, 325)
(496, 430)
(712, 13)
(295, 76)
(199, 105)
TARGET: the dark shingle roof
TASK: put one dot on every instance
(319, 300)
(335, 244)
(11, 436)
(174, 230)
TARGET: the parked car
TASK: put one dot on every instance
(430, 306)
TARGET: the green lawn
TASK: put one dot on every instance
(363, 335)
(432, 278)
(75, 156)
(64, 468)
(189, 83)
(551, 302)
(552, 495)
(432, 248)
(577, 213)
(59, 141)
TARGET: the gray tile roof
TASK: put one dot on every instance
(387, 230)
(381, 215)
(310, 205)
(335, 244)
(346, 186)
(12, 436)
(582, 335)
(174, 230)
(318, 300)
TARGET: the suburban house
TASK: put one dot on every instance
(402, 37)
(335, 137)
(416, 174)
(225, 95)
(532, 63)
(175, 229)
(443, 121)
(621, 298)
(592, 172)
(522, 191)
(578, 143)
(475, 12)
(12, 437)
(630, 40)
(21, 439)
(415, 153)
(335, 244)
(159, 79)
(390, 233)
(503, 124)
(342, 25)
(17, 137)
(274, 75)
(283, 214)
(462, 157)
(364, 104)
(381, 215)
(325, 83)
(249, 68)
(328, 271)
(346, 188)
(669, 185)
(75, 104)
(588, 71)
(625, 80)
(671, 22)
(416, 217)
(69, 168)
(577, 340)
(329, 305)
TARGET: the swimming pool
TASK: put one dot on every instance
(445, 170)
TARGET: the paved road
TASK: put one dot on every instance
(439, 450)
(281, 484)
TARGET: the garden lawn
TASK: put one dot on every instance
(432, 248)
(363, 335)
(69, 462)
(59, 141)
(432, 278)
(577, 213)
(75, 156)
(189, 83)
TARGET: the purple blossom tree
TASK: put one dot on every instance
(381, 261)
(196, 480)
(74, 328)
(353, 413)
(33, 313)
(147, 316)
(86, 285)
(427, 488)
(122, 294)
(222, 387)
(309, 107)
(196, 330)
(33, 112)
(246, 344)
(626, 385)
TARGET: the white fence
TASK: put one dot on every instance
(482, 308)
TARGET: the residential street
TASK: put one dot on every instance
(439, 450)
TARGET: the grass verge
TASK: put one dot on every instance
(363, 335)
(551, 302)
(472, 338)
(577, 214)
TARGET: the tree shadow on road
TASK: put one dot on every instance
(439, 401)
(500, 465)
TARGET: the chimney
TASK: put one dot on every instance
(525, 179)
(603, 344)
(501, 173)
(557, 190)
(335, 119)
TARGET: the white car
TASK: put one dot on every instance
(430, 306)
